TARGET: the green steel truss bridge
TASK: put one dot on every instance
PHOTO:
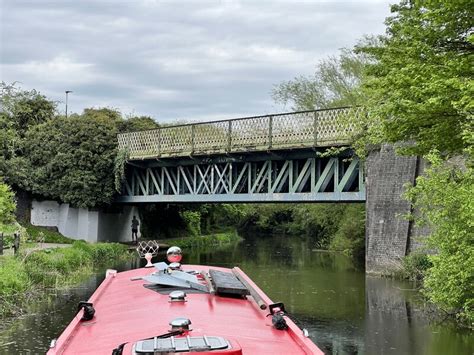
(271, 158)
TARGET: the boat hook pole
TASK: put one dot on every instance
(249, 287)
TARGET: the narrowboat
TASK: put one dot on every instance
(171, 308)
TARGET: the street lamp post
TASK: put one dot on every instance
(67, 92)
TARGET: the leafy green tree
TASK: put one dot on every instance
(138, 123)
(419, 86)
(23, 109)
(444, 197)
(335, 83)
(20, 111)
(73, 159)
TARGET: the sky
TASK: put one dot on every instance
(175, 60)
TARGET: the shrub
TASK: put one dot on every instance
(193, 222)
(7, 204)
(415, 266)
(444, 198)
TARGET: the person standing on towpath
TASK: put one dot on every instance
(135, 225)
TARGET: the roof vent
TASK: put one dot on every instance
(180, 324)
(174, 254)
(177, 296)
(175, 266)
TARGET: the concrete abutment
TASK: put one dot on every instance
(92, 225)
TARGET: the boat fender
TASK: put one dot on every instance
(89, 310)
(277, 311)
(279, 322)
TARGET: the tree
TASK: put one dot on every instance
(73, 159)
(419, 85)
(138, 123)
(444, 197)
(419, 92)
(21, 110)
(335, 83)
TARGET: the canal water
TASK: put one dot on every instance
(344, 311)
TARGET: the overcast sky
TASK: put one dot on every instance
(192, 60)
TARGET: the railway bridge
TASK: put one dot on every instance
(289, 157)
(272, 158)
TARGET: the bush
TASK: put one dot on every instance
(7, 204)
(444, 198)
(205, 240)
(192, 220)
(415, 266)
(350, 234)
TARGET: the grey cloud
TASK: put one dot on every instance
(169, 59)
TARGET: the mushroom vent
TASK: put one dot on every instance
(180, 324)
(177, 296)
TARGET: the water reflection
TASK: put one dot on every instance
(344, 311)
(398, 321)
(323, 292)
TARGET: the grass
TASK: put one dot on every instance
(50, 236)
(30, 235)
(9, 229)
(215, 239)
(24, 275)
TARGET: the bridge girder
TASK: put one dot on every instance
(310, 179)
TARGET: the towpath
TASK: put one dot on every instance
(39, 246)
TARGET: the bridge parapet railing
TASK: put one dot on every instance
(317, 128)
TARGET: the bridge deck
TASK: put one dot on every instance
(319, 128)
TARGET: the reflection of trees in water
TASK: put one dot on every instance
(314, 283)
(334, 337)
(397, 318)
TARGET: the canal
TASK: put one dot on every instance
(344, 311)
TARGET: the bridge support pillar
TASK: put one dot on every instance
(389, 234)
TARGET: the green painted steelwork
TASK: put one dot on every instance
(308, 179)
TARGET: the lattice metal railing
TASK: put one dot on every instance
(290, 130)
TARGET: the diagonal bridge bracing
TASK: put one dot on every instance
(253, 159)
(308, 179)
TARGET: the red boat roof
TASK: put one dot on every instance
(127, 312)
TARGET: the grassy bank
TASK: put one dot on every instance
(30, 235)
(46, 235)
(24, 276)
(216, 239)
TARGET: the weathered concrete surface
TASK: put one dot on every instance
(388, 232)
(79, 223)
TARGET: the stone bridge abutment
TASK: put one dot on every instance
(390, 235)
